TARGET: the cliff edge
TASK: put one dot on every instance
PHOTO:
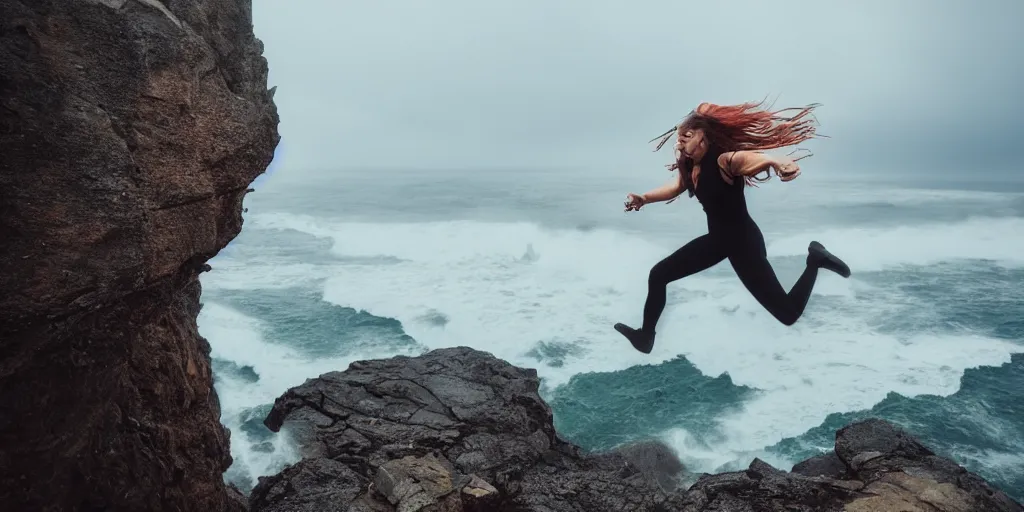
(130, 131)
(460, 430)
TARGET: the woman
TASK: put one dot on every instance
(718, 154)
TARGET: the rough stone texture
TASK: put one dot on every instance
(892, 463)
(883, 470)
(454, 429)
(313, 485)
(657, 462)
(828, 465)
(129, 133)
(459, 430)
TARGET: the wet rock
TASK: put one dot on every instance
(898, 469)
(479, 496)
(415, 483)
(472, 413)
(827, 465)
(312, 485)
(656, 461)
(459, 430)
(130, 131)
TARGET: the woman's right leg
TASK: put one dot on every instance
(700, 254)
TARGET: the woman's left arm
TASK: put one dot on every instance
(748, 164)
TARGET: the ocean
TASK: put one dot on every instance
(535, 267)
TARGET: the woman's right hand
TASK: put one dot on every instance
(634, 202)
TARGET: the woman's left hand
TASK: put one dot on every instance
(786, 168)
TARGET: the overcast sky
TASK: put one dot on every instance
(913, 84)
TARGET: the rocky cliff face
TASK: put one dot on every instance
(129, 133)
(459, 430)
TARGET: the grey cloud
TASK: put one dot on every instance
(462, 83)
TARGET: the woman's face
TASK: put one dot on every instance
(690, 143)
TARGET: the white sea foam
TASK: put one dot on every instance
(867, 249)
(504, 287)
(239, 339)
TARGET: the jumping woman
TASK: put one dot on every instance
(718, 154)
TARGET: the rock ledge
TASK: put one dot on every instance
(460, 430)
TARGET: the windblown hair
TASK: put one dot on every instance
(747, 127)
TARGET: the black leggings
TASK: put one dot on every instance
(744, 247)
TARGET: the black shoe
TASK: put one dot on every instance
(641, 340)
(818, 256)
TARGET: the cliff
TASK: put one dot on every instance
(130, 131)
(459, 430)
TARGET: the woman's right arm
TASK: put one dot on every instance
(665, 192)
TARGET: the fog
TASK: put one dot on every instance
(910, 85)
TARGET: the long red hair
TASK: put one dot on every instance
(747, 127)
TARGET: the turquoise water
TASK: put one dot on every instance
(980, 426)
(927, 333)
(603, 410)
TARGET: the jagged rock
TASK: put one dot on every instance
(471, 412)
(412, 484)
(884, 469)
(422, 428)
(897, 468)
(479, 496)
(656, 461)
(827, 465)
(313, 485)
(130, 131)
(763, 487)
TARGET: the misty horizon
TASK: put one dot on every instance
(908, 87)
